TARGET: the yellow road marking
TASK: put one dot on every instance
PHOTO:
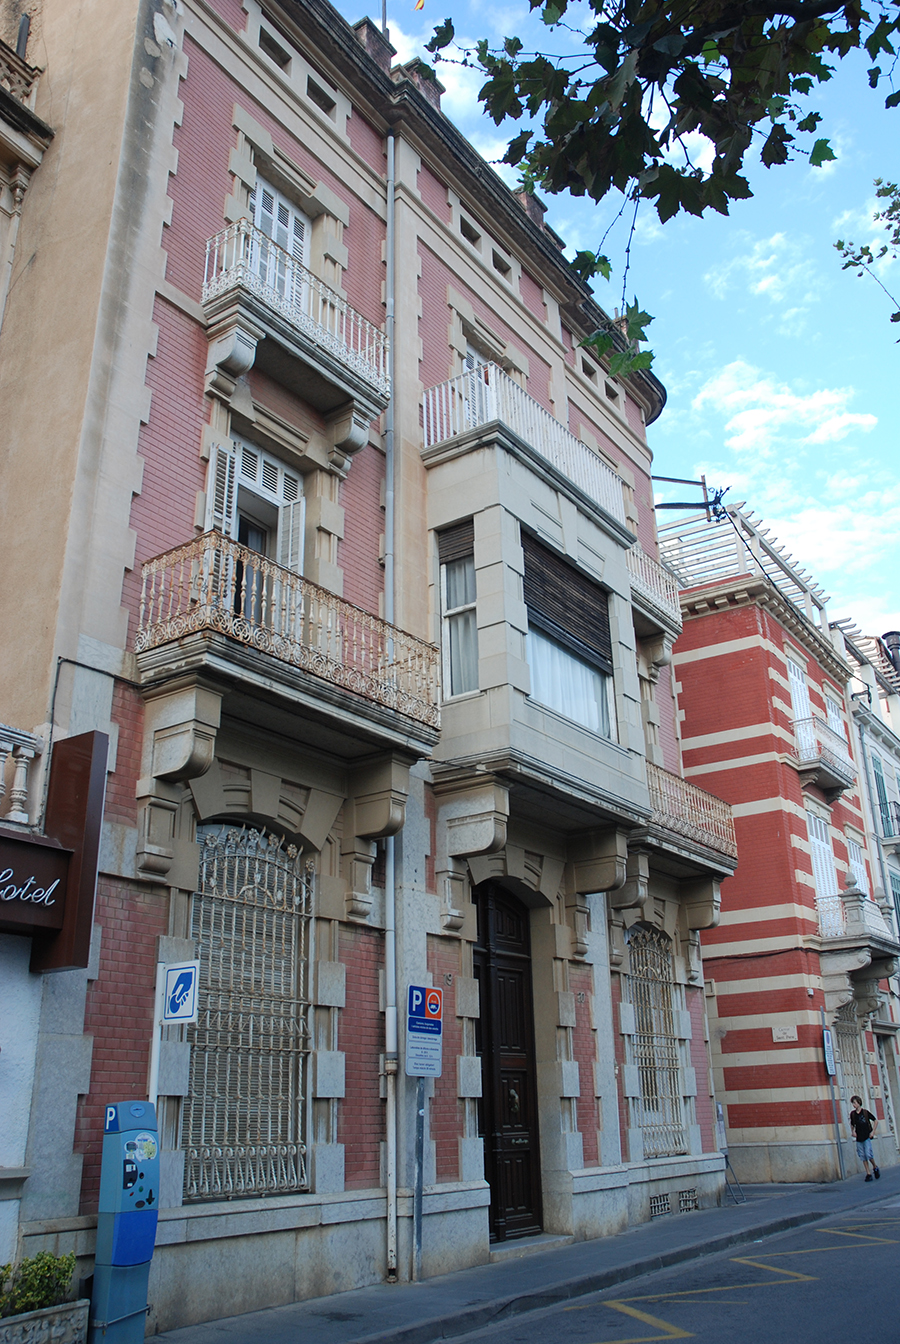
(691, 1297)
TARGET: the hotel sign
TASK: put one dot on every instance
(33, 875)
(48, 882)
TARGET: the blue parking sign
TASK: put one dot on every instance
(180, 994)
(424, 1028)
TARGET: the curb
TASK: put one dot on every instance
(500, 1309)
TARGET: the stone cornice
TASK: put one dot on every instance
(399, 103)
(745, 589)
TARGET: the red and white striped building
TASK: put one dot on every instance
(807, 939)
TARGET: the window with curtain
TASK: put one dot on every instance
(456, 549)
(569, 645)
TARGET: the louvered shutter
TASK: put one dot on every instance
(290, 535)
(799, 690)
(857, 865)
(566, 604)
(221, 494)
(881, 790)
(275, 216)
(834, 716)
(455, 543)
(824, 872)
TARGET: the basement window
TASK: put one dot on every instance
(323, 100)
(274, 50)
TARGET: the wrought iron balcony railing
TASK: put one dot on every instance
(697, 815)
(23, 748)
(486, 393)
(242, 256)
(215, 584)
(852, 914)
(655, 584)
(815, 742)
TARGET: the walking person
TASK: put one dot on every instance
(864, 1123)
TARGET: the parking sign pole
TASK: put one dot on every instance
(153, 1081)
(420, 1179)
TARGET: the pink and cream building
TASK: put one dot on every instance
(315, 506)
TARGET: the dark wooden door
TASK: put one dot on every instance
(505, 1041)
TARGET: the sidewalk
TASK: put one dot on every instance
(456, 1304)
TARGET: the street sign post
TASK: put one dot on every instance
(424, 1040)
(175, 1004)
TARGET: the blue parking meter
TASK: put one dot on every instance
(126, 1223)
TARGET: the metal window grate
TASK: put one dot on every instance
(659, 1206)
(688, 1201)
(658, 1110)
(848, 1039)
(244, 1118)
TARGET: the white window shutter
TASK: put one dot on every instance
(221, 494)
(835, 718)
(824, 872)
(857, 865)
(799, 690)
(290, 535)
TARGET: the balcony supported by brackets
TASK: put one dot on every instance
(264, 308)
(821, 757)
(858, 948)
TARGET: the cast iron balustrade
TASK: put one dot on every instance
(697, 815)
(822, 749)
(243, 257)
(215, 584)
(486, 393)
(23, 748)
(655, 584)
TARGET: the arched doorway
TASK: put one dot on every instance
(508, 1118)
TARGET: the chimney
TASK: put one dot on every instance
(376, 44)
(891, 642)
(425, 80)
(534, 209)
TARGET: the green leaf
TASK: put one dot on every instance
(512, 46)
(587, 264)
(601, 342)
(821, 153)
(637, 321)
(893, 100)
(517, 148)
(553, 11)
(443, 36)
(775, 149)
(810, 122)
(874, 76)
(710, 53)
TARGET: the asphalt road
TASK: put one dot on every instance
(837, 1282)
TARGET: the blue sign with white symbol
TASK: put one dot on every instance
(424, 1026)
(180, 992)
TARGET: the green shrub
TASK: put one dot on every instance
(41, 1281)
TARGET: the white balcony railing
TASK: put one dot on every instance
(697, 815)
(486, 393)
(654, 583)
(815, 741)
(21, 749)
(242, 256)
(213, 583)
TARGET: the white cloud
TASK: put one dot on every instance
(761, 413)
(778, 268)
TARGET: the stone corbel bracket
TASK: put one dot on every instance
(181, 721)
(596, 861)
(350, 427)
(471, 823)
(701, 899)
(232, 352)
(658, 653)
(375, 808)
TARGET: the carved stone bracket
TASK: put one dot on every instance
(181, 721)
(232, 352)
(658, 653)
(350, 426)
(596, 861)
(472, 818)
(375, 807)
(701, 899)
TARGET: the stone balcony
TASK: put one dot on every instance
(486, 395)
(822, 757)
(216, 609)
(20, 754)
(654, 595)
(263, 307)
(858, 946)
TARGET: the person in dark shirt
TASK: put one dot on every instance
(864, 1123)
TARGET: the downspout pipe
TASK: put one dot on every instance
(390, 888)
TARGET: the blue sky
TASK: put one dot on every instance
(781, 369)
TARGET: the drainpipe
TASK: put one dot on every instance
(390, 888)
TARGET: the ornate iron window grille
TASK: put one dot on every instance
(244, 1122)
(658, 1113)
